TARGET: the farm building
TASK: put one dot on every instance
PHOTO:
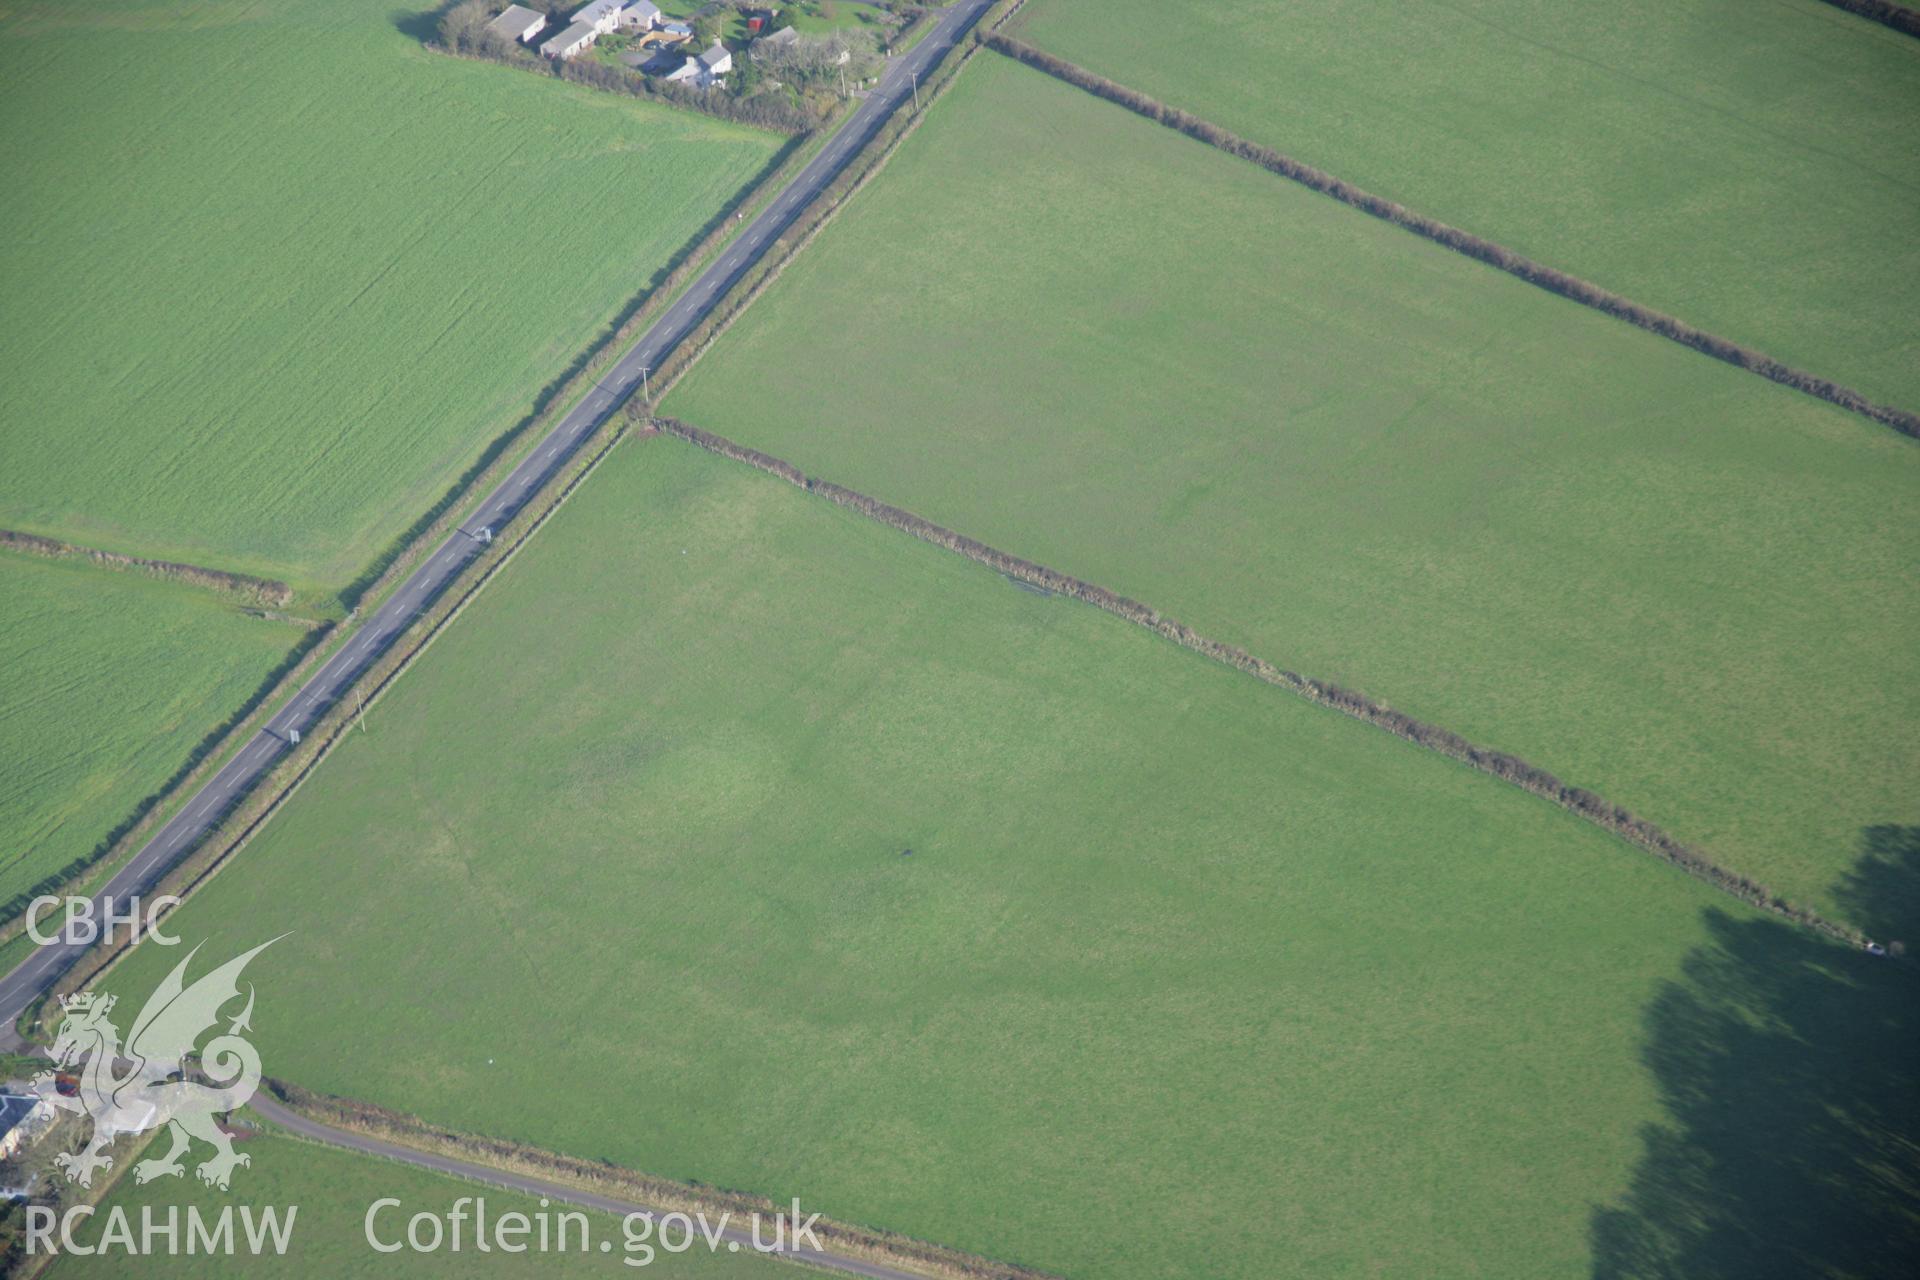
(601, 15)
(571, 42)
(643, 14)
(705, 69)
(778, 39)
(519, 23)
(22, 1118)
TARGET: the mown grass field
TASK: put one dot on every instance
(334, 1188)
(758, 844)
(1132, 358)
(278, 275)
(1751, 168)
(108, 681)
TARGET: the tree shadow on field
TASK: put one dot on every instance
(419, 24)
(1786, 1064)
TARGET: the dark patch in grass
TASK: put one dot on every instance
(1786, 1067)
(1898, 16)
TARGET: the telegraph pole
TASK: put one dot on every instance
(916, 88)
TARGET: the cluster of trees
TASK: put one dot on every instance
(810, 59)
(1508, 768)
(1463, 242)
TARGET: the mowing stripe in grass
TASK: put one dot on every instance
(1898, 16)
(1508, 768)
(1573, 288)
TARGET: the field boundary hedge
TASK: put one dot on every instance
(236, 828)
(1508, 768)
(585, 369)
(1553, 280)
(606, 1178)
(824, 207)
(1898, 16)
(264, 800)
(218, 743)
(264, 592)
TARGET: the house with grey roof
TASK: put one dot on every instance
(518, 23)
(642, 15)
(602, 15)
(705, 69)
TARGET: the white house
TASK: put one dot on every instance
(519, 23)
(602, 15)
(571, 42)
(642, 15)
(705, 69)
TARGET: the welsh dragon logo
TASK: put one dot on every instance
(152, 1091)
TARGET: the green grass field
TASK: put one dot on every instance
(107, 683)
(1751, 168)
(735, 838)
(1125, 355)
(333, 1190)
(280, 275)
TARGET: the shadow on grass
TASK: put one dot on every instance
(422, 24)
(1787, 1067)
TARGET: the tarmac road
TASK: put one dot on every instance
(558, 1191)
(33, 975)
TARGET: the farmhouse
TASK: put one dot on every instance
(705, 69)
(571, 42)
(519, 23)
(602, 15)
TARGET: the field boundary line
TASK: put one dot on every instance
(219, 744)
(391, 566)
(258, 808)
(590, 361)
(1579, 801)
(824, 208)
(1552, 279)
(361, 1119)
(265, 798)
(265, 592)
(1897, 16)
